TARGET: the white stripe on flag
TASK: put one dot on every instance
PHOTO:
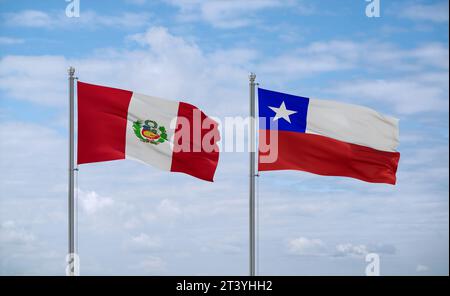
(352, 124)
(162, 111)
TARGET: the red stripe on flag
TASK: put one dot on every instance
(326, 156)
(196, 160)
(102, 122)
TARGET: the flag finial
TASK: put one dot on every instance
(71, 71)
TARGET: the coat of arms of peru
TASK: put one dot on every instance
(150, 132)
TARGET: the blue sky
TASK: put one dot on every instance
(133, 220)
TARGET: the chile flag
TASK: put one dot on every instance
(326, 138)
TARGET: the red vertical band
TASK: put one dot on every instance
(199, 161)
(102, 122)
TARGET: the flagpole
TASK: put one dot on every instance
(252, 145)
(71, 201)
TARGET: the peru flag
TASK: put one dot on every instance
(326, 138)
(118, 124)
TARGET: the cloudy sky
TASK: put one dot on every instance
(134, 219)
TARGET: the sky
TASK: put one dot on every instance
(136, 220)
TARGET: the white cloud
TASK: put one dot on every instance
(387, 249)
(295, 66)
(422, 268)
(351, 250)
(227, 245)
(162, 42)
(19, 247)
(227, 14)
(342, 55)
(152, 264)
(426, 67)
(41, 73)
(421, 157)
(317, 57)
(91, 202)
(435, 12)
(20, 164)
(11, 233)
(317, 247)
(233, 14)
(144, 242)
(136, 2)
(168, 209)
(87, 19)
(306, 246)
(10, 40)
(164, 62)
(431, 54)
(126, 20)
(422, 93)
(29, 18)
(165, 66)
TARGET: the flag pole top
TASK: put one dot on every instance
(252, 77)
(71, 71)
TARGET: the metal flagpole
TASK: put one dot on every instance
(252, 145)
(71, 201)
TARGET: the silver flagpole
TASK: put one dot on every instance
(252, 145)
(72, 256)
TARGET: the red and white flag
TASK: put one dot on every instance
(326, 138)
(120, 124)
